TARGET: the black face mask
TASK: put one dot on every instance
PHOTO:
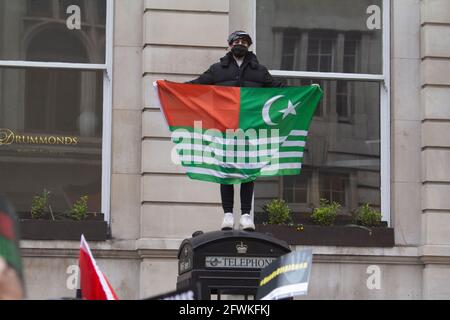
(239, 51)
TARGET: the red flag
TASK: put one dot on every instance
(94, 284)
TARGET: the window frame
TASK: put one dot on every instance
(385, 100)
(107, 99)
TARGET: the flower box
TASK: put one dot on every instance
(336, 235)
(94, 228)
(343, 232)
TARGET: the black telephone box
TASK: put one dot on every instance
(224, 265)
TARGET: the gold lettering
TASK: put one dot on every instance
(43, 140)
(33, 140)
(6, 137)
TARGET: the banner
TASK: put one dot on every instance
(287, 277)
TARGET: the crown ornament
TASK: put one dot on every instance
(242, 248)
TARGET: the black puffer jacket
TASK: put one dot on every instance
(228, 73)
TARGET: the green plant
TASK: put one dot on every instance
(278, 212)
(80, 209)
(325, 215)
(39, 205)
(367, 216)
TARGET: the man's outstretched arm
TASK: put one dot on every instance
(270, 82)
(205, 78)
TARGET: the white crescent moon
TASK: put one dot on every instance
(266, 109)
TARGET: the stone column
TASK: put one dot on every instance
(126, 119)
(435, 95)
(405, 122)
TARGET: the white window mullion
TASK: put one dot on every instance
(385, 131)
(327, 75)
(385, 117)
(51, 65)
(106, 146)
(107, 115)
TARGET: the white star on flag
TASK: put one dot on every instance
(290, 110)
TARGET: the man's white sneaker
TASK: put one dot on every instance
(228, 221)
(246, 223)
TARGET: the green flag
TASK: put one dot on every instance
(233, 135)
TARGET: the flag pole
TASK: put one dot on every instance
(78, 295)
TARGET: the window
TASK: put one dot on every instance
(320, 51)
(333, 44)
(319, 35)
(51, 122)
(344, 95)
(36, 30)
(54, 96)
(296, 189)
(351, 61)
(333, 187)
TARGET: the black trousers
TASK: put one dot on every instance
(227, 193)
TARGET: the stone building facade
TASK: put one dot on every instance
(153, 206)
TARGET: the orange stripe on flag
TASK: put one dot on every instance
(216, 107)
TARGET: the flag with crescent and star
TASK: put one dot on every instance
(233, 135)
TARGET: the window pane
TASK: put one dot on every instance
(344, 155)
(342, 100)
(347, 154)
(333, 187)
(288, 52)
(301, 196)
(289, 182)
(42, 8)
(350, 46)
(313, 63)
(295, 188)
(326, 46)
(51, 136)
(313, 46)
(338, 36)
(42, 30)
(288, 195)
(325, 64)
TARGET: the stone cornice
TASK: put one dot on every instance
(435, 260)
(352, 259)
(168, 249)
(161, 254)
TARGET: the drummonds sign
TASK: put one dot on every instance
(8, 137)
